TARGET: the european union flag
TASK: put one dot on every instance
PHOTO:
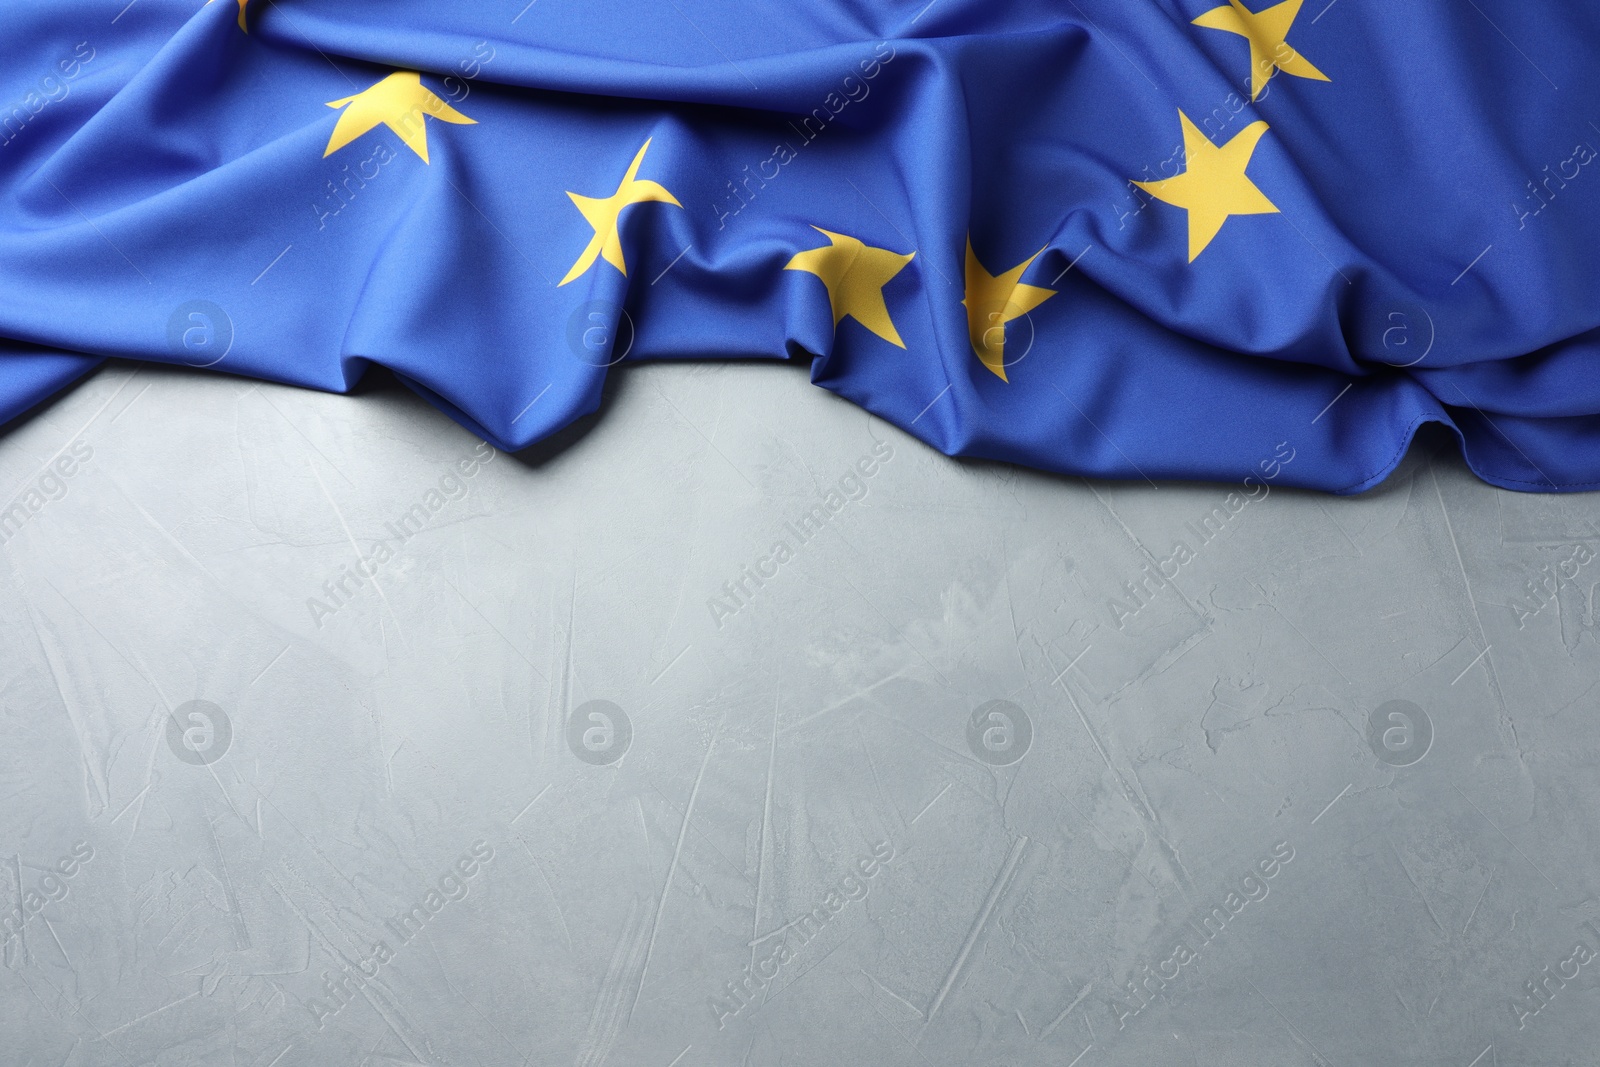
(1166, 239)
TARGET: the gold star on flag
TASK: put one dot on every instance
(242, 4)
(602, 214)
(855, 274)
(399, 102)
(1214, 185)
(1266, 31)
(991, 302)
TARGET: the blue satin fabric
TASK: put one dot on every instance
(1434, 257)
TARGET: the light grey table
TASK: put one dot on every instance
(580, 768)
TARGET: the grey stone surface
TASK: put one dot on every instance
(1322, 792)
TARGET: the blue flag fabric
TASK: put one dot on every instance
(1171, 239)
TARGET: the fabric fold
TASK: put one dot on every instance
(1179, 239)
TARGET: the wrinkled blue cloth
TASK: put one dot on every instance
(1170, 239)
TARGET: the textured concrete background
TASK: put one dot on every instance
(558, 759)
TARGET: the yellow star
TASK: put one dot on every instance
(1265, 31)
(603, 212)
(855, 274)
(991, 302)
(242, 4)
(399, 102)
(1213, 185)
